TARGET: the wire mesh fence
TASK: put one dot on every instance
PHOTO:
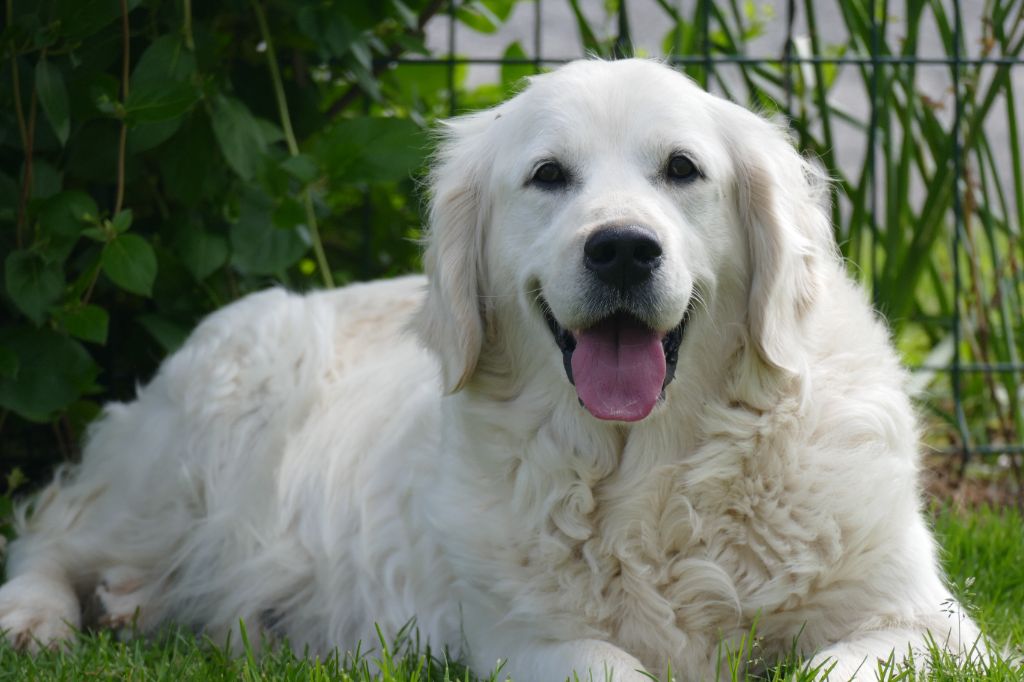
(911, 106)
(913, 109)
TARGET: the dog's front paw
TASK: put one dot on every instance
(121, 594)
(585, 660)
(827, 668)
(38, 612)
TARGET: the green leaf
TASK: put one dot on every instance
(501, 9)
(590, 41)
(9, 196)
(166, 59)
(678, 38)
(87, 322)
(201, 252)
(513, 74)
(361, 51)
(288, 213)
(159, 101)
(170, 335)
(32, 283)
(485, 15)
(104, 93)
(65, 213)
(269, 131)
(479, 17)
(367, 81)
(122, 221)
(239, 135)
(428, 83)
(257, 246)
(161, 91)
(146, 136)
(81, 413)
(53, 97)
(82, 18)
(8, 363)
(409, 18)
(412, 44)
(93, 155)
(328, 27)
(371, 149)
(97, 234)
(53, 371)
(62, 219)
(129, 261)
(190, 163)
(46, 179)
(302, 167)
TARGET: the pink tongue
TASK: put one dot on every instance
(619, 369)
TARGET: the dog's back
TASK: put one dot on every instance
(187, 506)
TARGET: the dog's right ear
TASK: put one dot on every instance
(450, 322)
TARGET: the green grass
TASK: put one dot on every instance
(984, 558)
(179, 655)
(983, 553)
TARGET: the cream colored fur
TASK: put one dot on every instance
(305, 464)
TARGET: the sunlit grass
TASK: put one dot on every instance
(983, 552)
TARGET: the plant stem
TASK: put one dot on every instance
(26, 183)
(22, 128)
(186, 28)
(293, 146)
(125, 72)
(16, 81)
(93, 276)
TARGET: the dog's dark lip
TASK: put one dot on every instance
(563, 338)
(566, 342)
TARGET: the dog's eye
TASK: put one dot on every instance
(681, 168)
(549, 175)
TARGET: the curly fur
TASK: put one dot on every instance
(312, 466)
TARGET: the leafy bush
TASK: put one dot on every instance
(160, 159)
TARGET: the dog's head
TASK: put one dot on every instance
(593, 220)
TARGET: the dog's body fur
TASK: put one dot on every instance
(296, 465)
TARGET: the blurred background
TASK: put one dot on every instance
(161, 158)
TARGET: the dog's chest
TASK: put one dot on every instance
(663, 567)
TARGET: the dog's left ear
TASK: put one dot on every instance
(450, 322)
(782, 200)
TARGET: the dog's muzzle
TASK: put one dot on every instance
(619, 366)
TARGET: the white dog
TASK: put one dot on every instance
(643, 410)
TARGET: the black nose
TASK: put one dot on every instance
(622, 257)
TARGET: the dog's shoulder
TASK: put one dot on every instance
(284, 344)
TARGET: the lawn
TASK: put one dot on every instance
(983, 553)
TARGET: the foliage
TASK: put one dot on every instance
(159, 159)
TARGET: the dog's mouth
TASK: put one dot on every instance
(619, 365)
